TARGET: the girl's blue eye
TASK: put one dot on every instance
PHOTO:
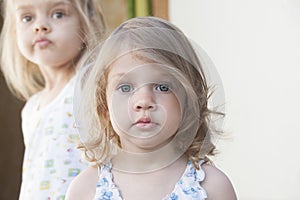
(58, 15)
(163, 87)
(27, 18)
(125, 88)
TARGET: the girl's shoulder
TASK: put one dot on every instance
(215, 178)
(83, 186)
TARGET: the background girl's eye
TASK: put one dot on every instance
(27, 18)
(163, 87)
(58, 15)
(125, 88)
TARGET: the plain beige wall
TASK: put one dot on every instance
(256, 48)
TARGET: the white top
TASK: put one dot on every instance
(51, 159)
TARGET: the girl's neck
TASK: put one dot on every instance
(132, 161)
(55, 81)
(182, 160)
(57, 76)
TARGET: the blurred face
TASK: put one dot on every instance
(143, 106)
(48, 31)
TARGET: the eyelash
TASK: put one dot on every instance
(26, 19)
(58, 14)
(121, 88)
(161, 87)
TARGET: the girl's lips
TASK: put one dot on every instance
(145, 123)
(143, 120)
(42, 43)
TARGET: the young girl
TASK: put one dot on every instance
(143, 118)
(42, 42)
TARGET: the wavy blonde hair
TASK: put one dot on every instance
(24, 77)
(152, 40)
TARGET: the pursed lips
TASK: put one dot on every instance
(145, 122)
(42, 42)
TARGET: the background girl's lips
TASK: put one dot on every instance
(42, 43)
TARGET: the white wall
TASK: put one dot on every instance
(255, 45)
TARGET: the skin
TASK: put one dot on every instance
(131, 95)
(143, 106)
(216, 183)
(48, 34)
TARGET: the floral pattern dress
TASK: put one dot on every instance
(51, 159)
(187, 188)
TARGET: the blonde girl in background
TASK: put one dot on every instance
(42, 43)
(144, 120)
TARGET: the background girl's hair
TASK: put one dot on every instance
(24, 77)
(154, 40)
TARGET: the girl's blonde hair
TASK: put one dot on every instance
(24, 77)
(155, 41)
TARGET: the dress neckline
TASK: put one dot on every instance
(188, 185)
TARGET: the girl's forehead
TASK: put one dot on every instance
(147, 71)
(142, 73)
(132, 65)
(19, 3)
(41, 1)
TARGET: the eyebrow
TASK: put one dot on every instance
(165, 76)
(117, 76)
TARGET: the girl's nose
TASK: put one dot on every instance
(41, 27)
(143, 99)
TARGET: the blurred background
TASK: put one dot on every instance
(255, 46)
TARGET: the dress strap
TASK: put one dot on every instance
(200, 173)
(107, 167)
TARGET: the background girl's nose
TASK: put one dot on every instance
(41, 28)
